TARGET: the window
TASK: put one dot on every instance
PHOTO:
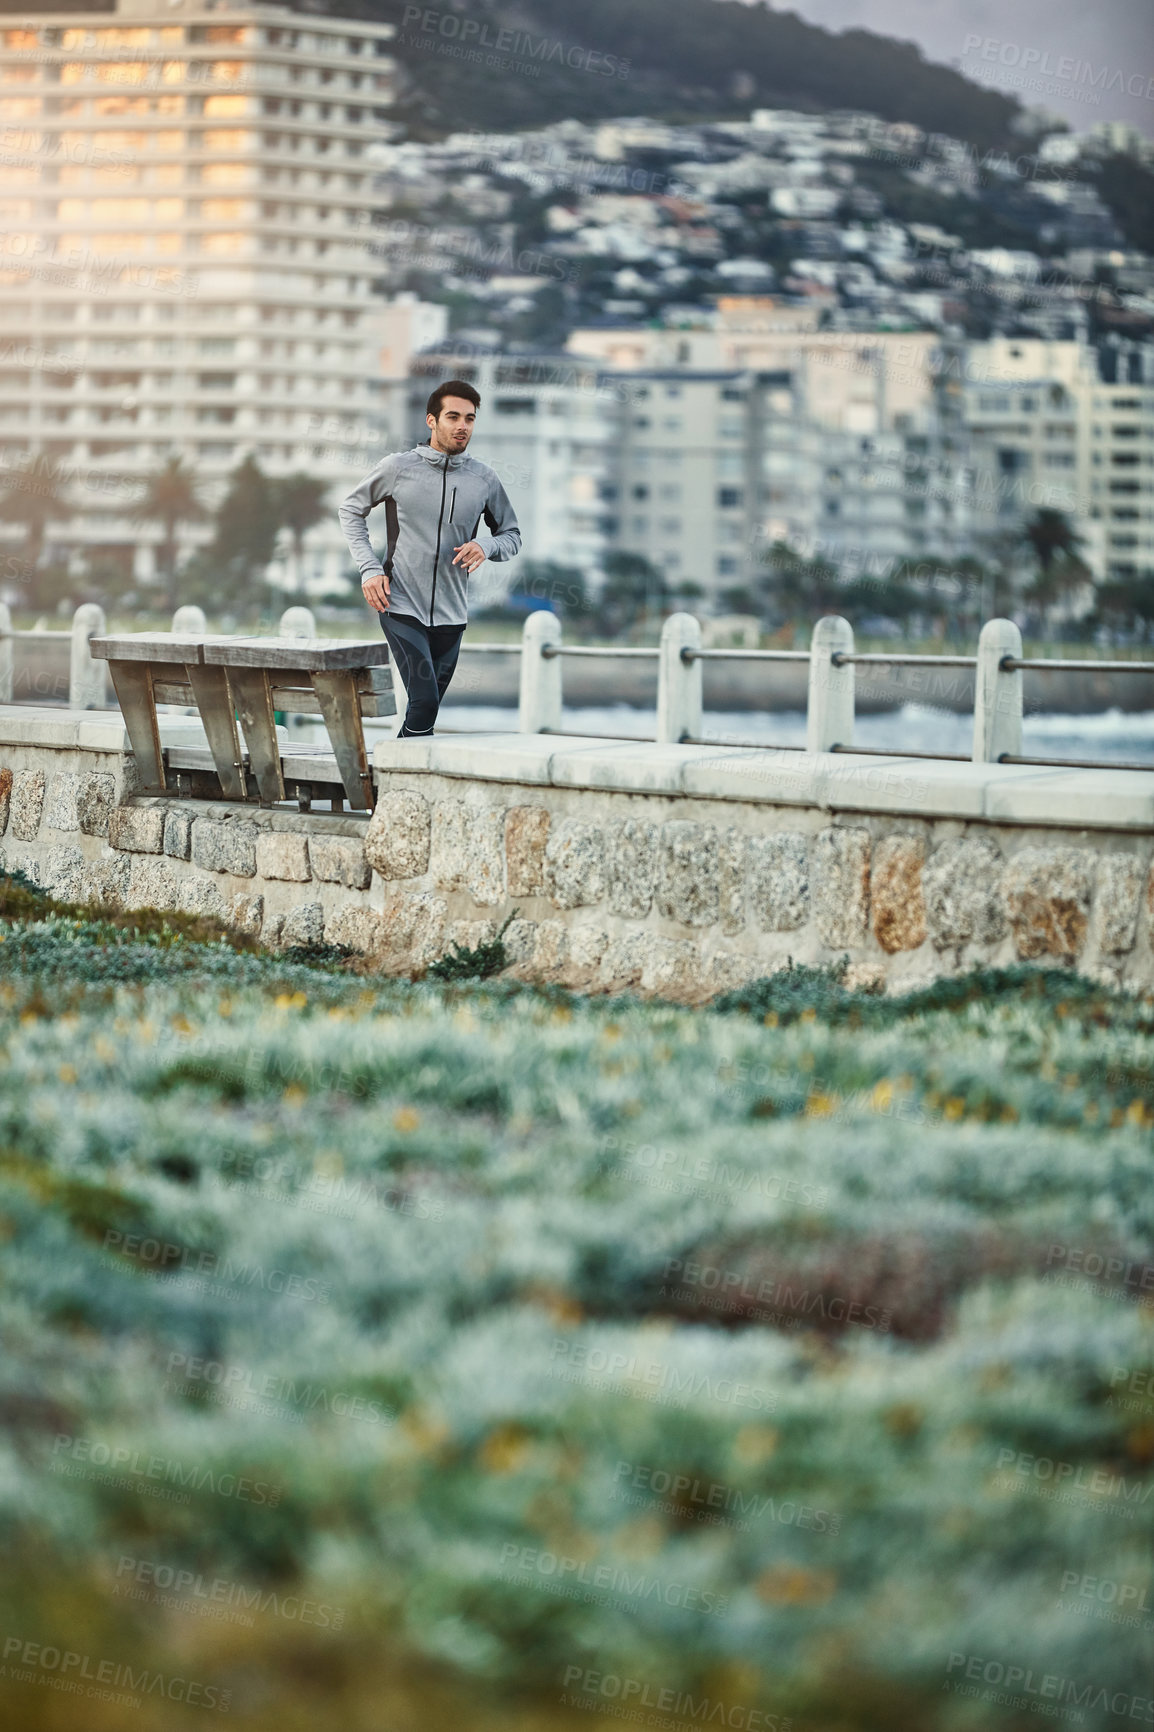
(729, 498)
(641, 491)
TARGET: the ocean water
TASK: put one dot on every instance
(1113, 734)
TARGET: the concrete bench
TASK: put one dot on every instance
(250, 678)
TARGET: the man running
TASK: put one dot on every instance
(445, 513)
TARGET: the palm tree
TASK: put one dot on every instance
(33, 497)
(170, 499)
(1058, 549)
(300, 501)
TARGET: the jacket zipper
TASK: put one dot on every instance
(437, 555)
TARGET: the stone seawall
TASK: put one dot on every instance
(674, 871)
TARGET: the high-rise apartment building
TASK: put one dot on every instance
(183, 261)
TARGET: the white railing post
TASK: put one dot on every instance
(297, 622)
(6, 679)
(997, 694)
(679, 705)
(829, 715)
(189, 621)
(540, 707)
(87, 677)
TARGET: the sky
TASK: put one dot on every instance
(1091, 35)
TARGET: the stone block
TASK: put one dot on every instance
(687, 873)
(1117, 895)
(732, 878)
(575, 864)
(359, 928)
(197, 895)
(624, 961)
(137, 829)
(152, 882)
(485, 879)
(106, 880)
(62, 874)
(587, 947)
(5, 798)
(340, 860)
(413, 929)
(282, 854)
(1047, 895)
(551, 950)
(469, 934)
(841, 886)
(631, 866)
(95, 802)
(247, 914)
(779, 881)
(897, 906)
(961, 889)
(672, 969)
(725, 970)
(178, 835)
(27, 804)
(304, 924)
(398, 837)
(448, 844)
(225, 845)
(526, 838)
(520, 939)
(61, 806)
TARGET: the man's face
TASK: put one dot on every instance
(453, 427)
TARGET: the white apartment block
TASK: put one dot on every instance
(1063, 438)
(183, 268)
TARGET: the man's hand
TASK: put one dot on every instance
(376, 591)
(470, 554)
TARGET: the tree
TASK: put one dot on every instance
(797, 587)
(246, 532)
(33, 497)
(300, 501)
(633, 587)
(170, 499)
(1057, 547)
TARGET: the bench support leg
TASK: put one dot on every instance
(214, 701)
(340, 706)
(132, 682)
(252, 692)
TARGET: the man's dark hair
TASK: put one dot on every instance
(452, 388)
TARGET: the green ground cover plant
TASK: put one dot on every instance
(794, 1356)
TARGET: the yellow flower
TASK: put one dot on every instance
(820, 1106)
(770, 1019)
(67, 1074)
(955, 1108)
(1136, 1113)
(406, 1119)
(290, 1001)
(882, 1096)
(504, 1450)
(294, 1095)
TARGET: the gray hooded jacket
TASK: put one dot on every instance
(433, 503)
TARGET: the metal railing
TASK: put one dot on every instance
(998, 669)
(998, 696)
